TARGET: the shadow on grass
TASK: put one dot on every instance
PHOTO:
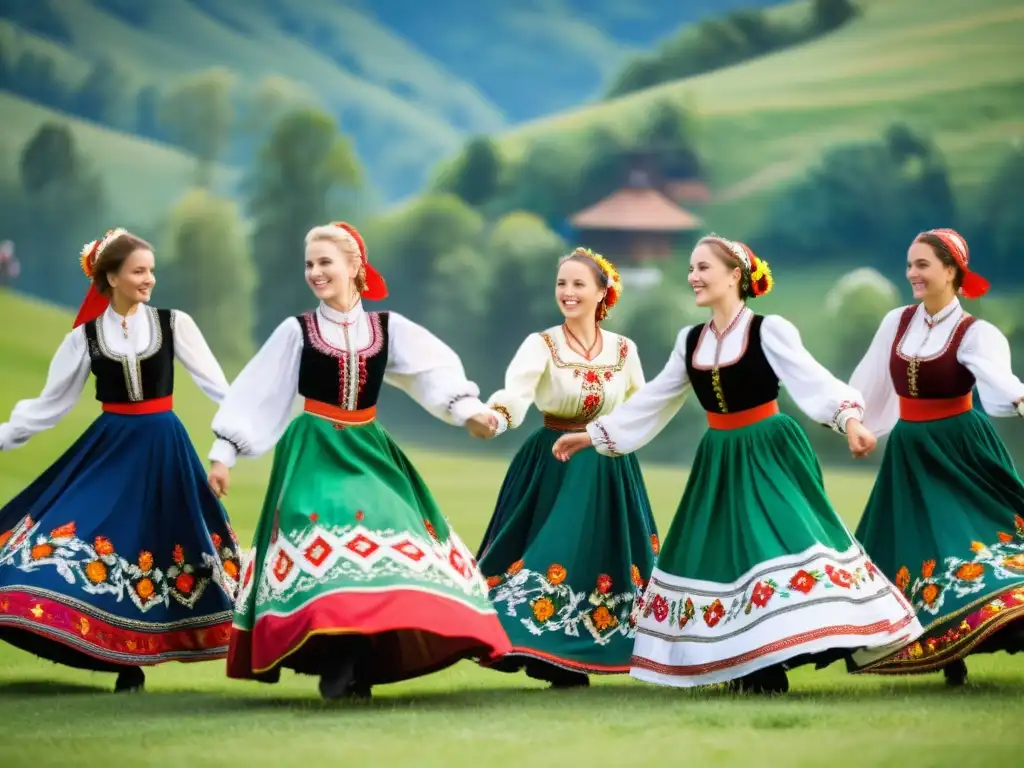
(162, 702)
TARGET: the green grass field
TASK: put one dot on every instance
(951, 68)
(193, 715)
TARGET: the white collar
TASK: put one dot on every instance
(943, 314)
(345, 318)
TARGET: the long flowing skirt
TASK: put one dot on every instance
(758, 570)
(568, 551)
(351, 543)
(945, 522)
(119, 554)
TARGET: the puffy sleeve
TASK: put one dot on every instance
(511, 402)
(194, 353)
(634, 370)
(816, 392)
(258, 405)
(69, 370)
(430, 372)
(873, 380)
(986, 353)
(639, 420)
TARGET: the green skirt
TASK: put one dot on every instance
(757, 568)
(567, 554)
(350, 542)
(945, 521)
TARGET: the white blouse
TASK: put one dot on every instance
(546, 372)
(818, 393)
(984, 351)
(69, 369)
(258, 407)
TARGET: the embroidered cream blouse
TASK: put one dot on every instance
(547, 373)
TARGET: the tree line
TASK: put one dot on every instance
(722, 42)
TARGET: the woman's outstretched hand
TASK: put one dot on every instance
(483, 425)
(861, 441)
(219, 479)
(567, 446)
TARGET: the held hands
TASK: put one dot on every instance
(567, 446)
(861, 441)
(219, 479)
(483, 425)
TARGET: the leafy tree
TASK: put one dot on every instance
(478, 173)
(101, 96)
(199, 115)
(292, 187)
(210, 273)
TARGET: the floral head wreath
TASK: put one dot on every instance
(973, 285)
(613, 287)
(95, 303)
(91, 251)
(757, 275)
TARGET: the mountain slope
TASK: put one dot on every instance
(951, 68)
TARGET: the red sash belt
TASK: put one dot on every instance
(143, 407)
(741, 419)
(339, 416)
(923, 409)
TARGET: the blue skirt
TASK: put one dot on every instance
(119, 553)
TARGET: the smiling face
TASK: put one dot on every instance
(710, 277)
(929, 277)
(331, 268)
(577, 290)
(133, 282)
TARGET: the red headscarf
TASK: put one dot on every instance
(95, 303)
(974, 286)
(376, 289)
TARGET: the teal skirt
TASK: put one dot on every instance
(945, 521)
(568, 551)
(758, 570)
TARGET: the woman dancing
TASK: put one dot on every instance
(945, 519)
(570, 547)
(757, 573)
(355, 575)
(119, 556)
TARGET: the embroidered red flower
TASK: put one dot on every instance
(5, 537)
(762, 594)
(314, 517)
(515, 568)
(607, 375)
(493, 581)
(903, 578)
(604, 583)
(359, 514)
(184, 583)
(713, 613)
(687, 613)
(591, 401)
(103, 546)
(930, 593)
(41, 551)
(590, 377)
(231, 569)
(970, 571)
(802, 581)
(659, 606)
(217, 541)
(634, 575)
(839, 577)
(178, 555)
(655, 544)
(927, 568)
(65, 531)
(145, 561)
(430, 529)
(556, 574)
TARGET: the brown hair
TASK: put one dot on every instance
(580, 256)
(941, 251)
(112, 258)
(345, 243)
(732, 261)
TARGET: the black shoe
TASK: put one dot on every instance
(336, 683)
(766, 682)
(558, 677)
(130, 680)
(955, 673)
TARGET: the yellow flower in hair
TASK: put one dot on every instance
(762, 272)
(614, 290)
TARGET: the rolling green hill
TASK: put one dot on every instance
(949, 67)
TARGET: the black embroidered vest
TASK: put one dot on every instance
(939, 377)
(154, 366)
(329, 375)
(747, 383)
